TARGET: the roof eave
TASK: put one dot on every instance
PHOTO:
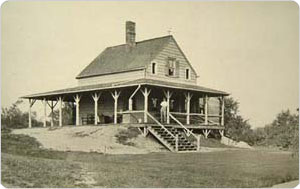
(108, 73)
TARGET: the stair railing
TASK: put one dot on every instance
(161, 125)
(187, 131)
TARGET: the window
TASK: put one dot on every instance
(171, 67)
(201, 105)
(172, 105)
(154, 102)
(153, 68)
(187, 73)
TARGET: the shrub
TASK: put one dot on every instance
(125, 135)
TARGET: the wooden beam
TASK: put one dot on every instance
(77, 100)
(188, 97)
(52, 112)
(29, 113)
(206, 132)
(222, 110)
(168, 95)
(176, 143)
(45, 112)
(221, 132)
(96, 97)
(130, 98)
(145, 132)
(60, 111)
(198, 142)
(31, 103)
(206, 110)
(116, 95)
(146, 93)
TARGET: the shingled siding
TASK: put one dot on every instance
(124, 76)
(171, 50)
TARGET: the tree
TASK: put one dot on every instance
(235, 126)
(13, 117)
(283, 132)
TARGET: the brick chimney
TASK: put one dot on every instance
(130, 33)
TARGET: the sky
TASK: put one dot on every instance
(249, 49)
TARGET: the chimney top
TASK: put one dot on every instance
(130, 33)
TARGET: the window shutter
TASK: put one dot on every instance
(177, 68)
(167, 67)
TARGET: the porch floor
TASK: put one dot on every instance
(191, 126)
(214, 127)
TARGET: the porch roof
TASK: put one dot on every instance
(114, 85)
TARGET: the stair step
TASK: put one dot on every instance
(165, 134)
(187, 150)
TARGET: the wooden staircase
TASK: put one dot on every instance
(179, 143)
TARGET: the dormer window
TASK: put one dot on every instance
(172, 67)
(153, 68)
(187, 73)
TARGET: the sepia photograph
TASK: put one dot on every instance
(149, 94)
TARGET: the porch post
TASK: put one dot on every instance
(221, 132)
(222, 111)
(116, 95)
(130, 98)
(96, 97)
(146, 94)
(77, 100)
(206, 132)
(45, 112)
(60, 111)
(188, 97)
(168, 95)
(29, 114)
(206, 110)
(31, 102)
(52, 107)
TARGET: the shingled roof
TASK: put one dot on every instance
(122, 58)
(114, 85)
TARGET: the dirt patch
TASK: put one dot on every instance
(93, 139)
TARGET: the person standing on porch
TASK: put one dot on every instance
(163, 110)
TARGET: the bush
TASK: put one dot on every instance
(13, 117)
(125, 135)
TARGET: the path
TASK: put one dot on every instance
(291, 184)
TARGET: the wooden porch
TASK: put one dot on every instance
(138, 104)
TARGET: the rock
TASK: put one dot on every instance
(229, 142)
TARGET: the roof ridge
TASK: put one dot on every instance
(146, 40)
(154, 38)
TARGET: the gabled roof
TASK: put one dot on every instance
(123, 58)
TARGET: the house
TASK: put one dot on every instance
(126, 84)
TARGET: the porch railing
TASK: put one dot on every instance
(199, 115)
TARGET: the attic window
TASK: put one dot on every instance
(153, 68)
(187, 73)
(172, 67)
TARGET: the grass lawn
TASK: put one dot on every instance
(24, 164)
